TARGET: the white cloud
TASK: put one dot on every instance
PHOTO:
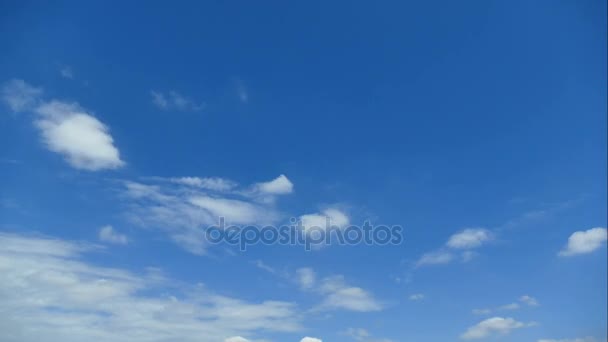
(278, 186)
(20, 96)
(210, 183)
(66, 128)
(184, 211)
(57, 296)
(108, 234)
(339, 295)
(306, 277)
(493, 326)
(435, 258)
(583, 242)
(82, 139)
(327, 217)
(175, 101)
(310, 339)
(462, 243)
(530, 301)
(236, 339)
(469, 238)
(417, 297)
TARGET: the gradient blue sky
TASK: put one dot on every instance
(481, 120)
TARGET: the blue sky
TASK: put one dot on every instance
(478, 127)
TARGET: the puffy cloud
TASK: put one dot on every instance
(278, 186)
(493, 326)
(469, 238)
(330, 216)
(66, 128)
(82, 139)
(175, 101)
(459, 243)
(583, 242)
(310, 339)
(108, 234)
(56, 295)
(20, 96)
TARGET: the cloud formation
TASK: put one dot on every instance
(583, 242)
(52, 293)
(458, 246)
(493, 326)
(66, 128)
(184, 207)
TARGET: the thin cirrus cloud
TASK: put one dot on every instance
(583, 242)
(174, 101)
(65, 128)
(494, 326)
(51, 286)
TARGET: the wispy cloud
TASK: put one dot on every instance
(524, 300)
(66, 72)
(493, 326)
(173, 100)
(68, 299)
(110, 235)
(336, 293)
(184, 206)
